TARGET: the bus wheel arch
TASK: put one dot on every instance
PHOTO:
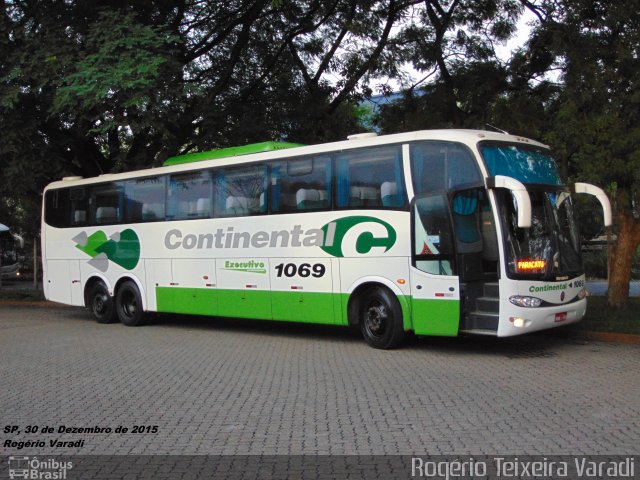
(375, 309)
(98, 300)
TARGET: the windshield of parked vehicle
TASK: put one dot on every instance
(526, 164)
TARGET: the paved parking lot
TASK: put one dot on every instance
(218, 386)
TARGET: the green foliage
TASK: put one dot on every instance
(597, 110)
(595, 263)
(121, 63)
(21, 293)
(93, 87)
(601, 318)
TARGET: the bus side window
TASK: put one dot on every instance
(57, 208)
(189, 196)
(433, 248)
(106, 203)
(439, 166)
(370, 178)
(78, 199)
(301, 184)
(145, 199)
(241, 191)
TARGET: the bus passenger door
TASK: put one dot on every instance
(435, 289)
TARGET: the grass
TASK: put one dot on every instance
(601, 317)
(24, 292)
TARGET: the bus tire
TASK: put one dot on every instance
(101, 304)
(381, 318)
(129, 305)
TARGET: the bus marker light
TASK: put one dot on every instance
(561, 317)
(439, 294)
(205, 277)
(401, 281)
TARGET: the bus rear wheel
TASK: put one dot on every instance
(381, 319)
(129, 305)
(101, 304)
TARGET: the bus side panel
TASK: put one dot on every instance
(435, 303)
(57, 283)
(244, 289)
(436, 317)
(158, 280)
(302, 290)
(77, 298)
(339, 302)
(192, 289)
(63, 283)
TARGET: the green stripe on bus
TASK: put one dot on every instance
(430, 317)
(303, 307)
(230, 152)
(436, 317)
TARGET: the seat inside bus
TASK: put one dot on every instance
(106, 215)
(310, 198)
(364, 196)
(152, 211)
(390, 195)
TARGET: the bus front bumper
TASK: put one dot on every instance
(516, 320)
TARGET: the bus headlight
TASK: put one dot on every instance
(522, 301)
(583, 293)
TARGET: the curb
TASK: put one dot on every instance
(33, 303)
(609, 337)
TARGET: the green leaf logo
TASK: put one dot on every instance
(334, 233)
(122, 248)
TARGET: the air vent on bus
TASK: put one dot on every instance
(359, 136)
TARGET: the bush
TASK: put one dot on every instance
(595, 263)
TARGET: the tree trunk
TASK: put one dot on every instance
(622, 255)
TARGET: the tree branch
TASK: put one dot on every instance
(366, 66)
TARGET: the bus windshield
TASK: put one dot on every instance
(551, 247)
(527, 165)
(8, 252)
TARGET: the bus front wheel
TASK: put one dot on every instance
(129, 305)
(101, 304)
(381, 319)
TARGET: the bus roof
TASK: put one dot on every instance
(467, 137)
(229, 152)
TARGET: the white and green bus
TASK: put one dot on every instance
(437, 232)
